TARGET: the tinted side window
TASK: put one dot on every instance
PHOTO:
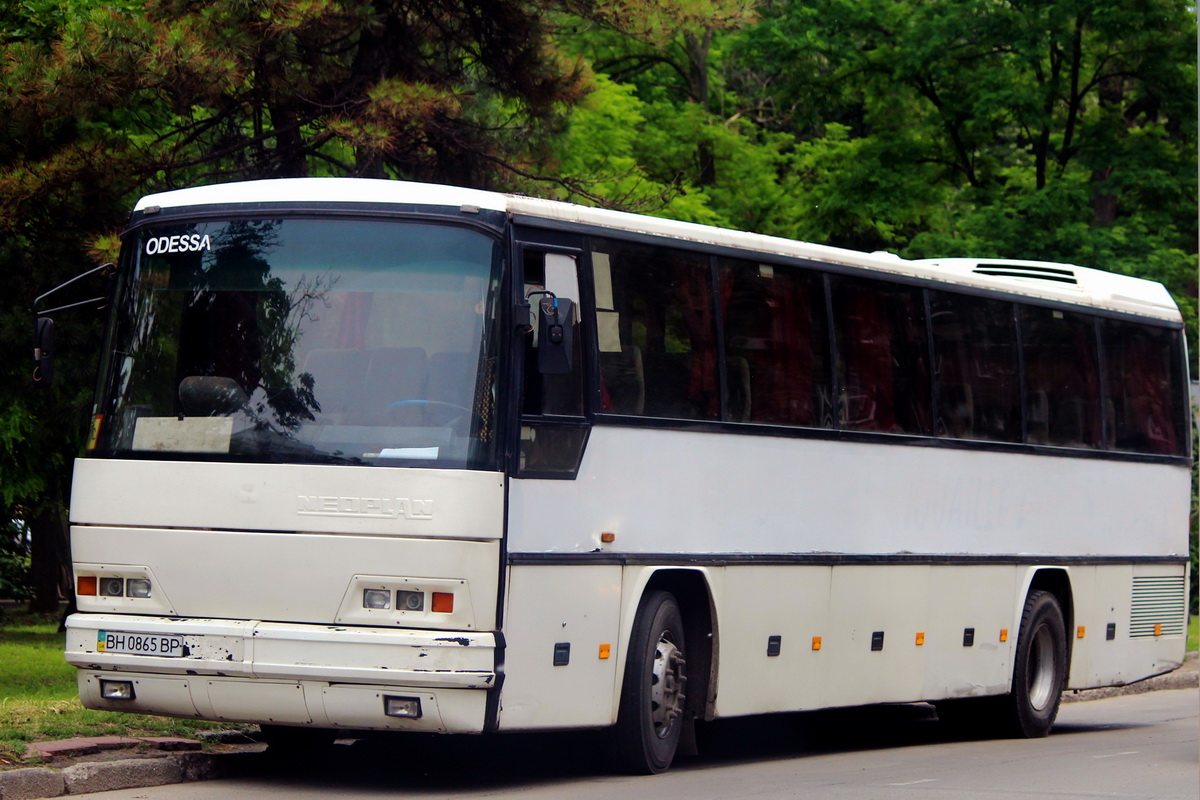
(1144, 399)
(975, 346)
(655, 316)
(1062, 384)
(776, 344)
(883, 361)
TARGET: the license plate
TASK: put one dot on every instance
(140, 644)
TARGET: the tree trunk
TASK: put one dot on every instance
(697, 72)
(50, 560)
(1104, 204)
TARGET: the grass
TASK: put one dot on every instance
(38, 701)
(1193, 639)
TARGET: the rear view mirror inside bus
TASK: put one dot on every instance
(556, 335)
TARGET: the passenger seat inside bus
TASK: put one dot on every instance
(624, 381)
(393, 374)
(667, 391)
(337, 375)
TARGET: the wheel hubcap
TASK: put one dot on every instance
(666, 686)
(1043, 672)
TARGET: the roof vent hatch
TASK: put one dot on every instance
(1055, 274)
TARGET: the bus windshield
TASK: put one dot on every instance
(303, 340)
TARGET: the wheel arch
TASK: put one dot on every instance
(1056, 581)
(692, 590)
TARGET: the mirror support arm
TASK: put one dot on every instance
(80, 276)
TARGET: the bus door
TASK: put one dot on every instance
(549, 355)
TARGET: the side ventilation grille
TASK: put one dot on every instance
(1055, 274)
(1157, 608)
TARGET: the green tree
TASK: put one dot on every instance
(1062, 131)
(103, 100)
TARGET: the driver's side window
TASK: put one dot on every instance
(551, 395)
(553, 428)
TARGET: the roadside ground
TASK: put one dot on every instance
(106, 763)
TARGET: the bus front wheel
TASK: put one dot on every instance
(650, 715)
(285, 741)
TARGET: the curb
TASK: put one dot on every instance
(127, 772)
(1186, 677)
(135, 772)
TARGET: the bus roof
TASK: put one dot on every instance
(1036, 279)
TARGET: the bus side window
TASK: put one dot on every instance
(883, 358)
(555, 395)
(655, 316)
(1062, 383)
(1142, 376)
(975, 346)
(553, 429)
(776, 344)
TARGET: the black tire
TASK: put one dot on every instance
(1039, 676)
(1039, 669)
(651, 714)
(287, 741)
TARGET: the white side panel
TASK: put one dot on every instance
(579, 606)
(756, 603)
(679, 492)
(868, 601)
(289, 497)
(1102, 597)
(676, 492)
(980, 598)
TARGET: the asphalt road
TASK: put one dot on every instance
(1136, 746)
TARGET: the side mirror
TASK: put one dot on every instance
(556, 335)
(43, 352)
(43, 331)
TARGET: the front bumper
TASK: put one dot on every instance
(269, 672)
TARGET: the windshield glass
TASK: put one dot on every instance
(303, 340)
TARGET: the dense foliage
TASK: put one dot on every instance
(1062, 131)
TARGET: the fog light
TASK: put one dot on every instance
(138, 587)
(112, 587)
(410, 601)
(377, 598)
(116, 690)
(409, 707)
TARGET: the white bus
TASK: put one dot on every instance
(375, 455)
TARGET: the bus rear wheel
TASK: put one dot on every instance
(651, 714)
(1039, 676)
(1040, 669)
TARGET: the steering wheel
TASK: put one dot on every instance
(452, 412)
